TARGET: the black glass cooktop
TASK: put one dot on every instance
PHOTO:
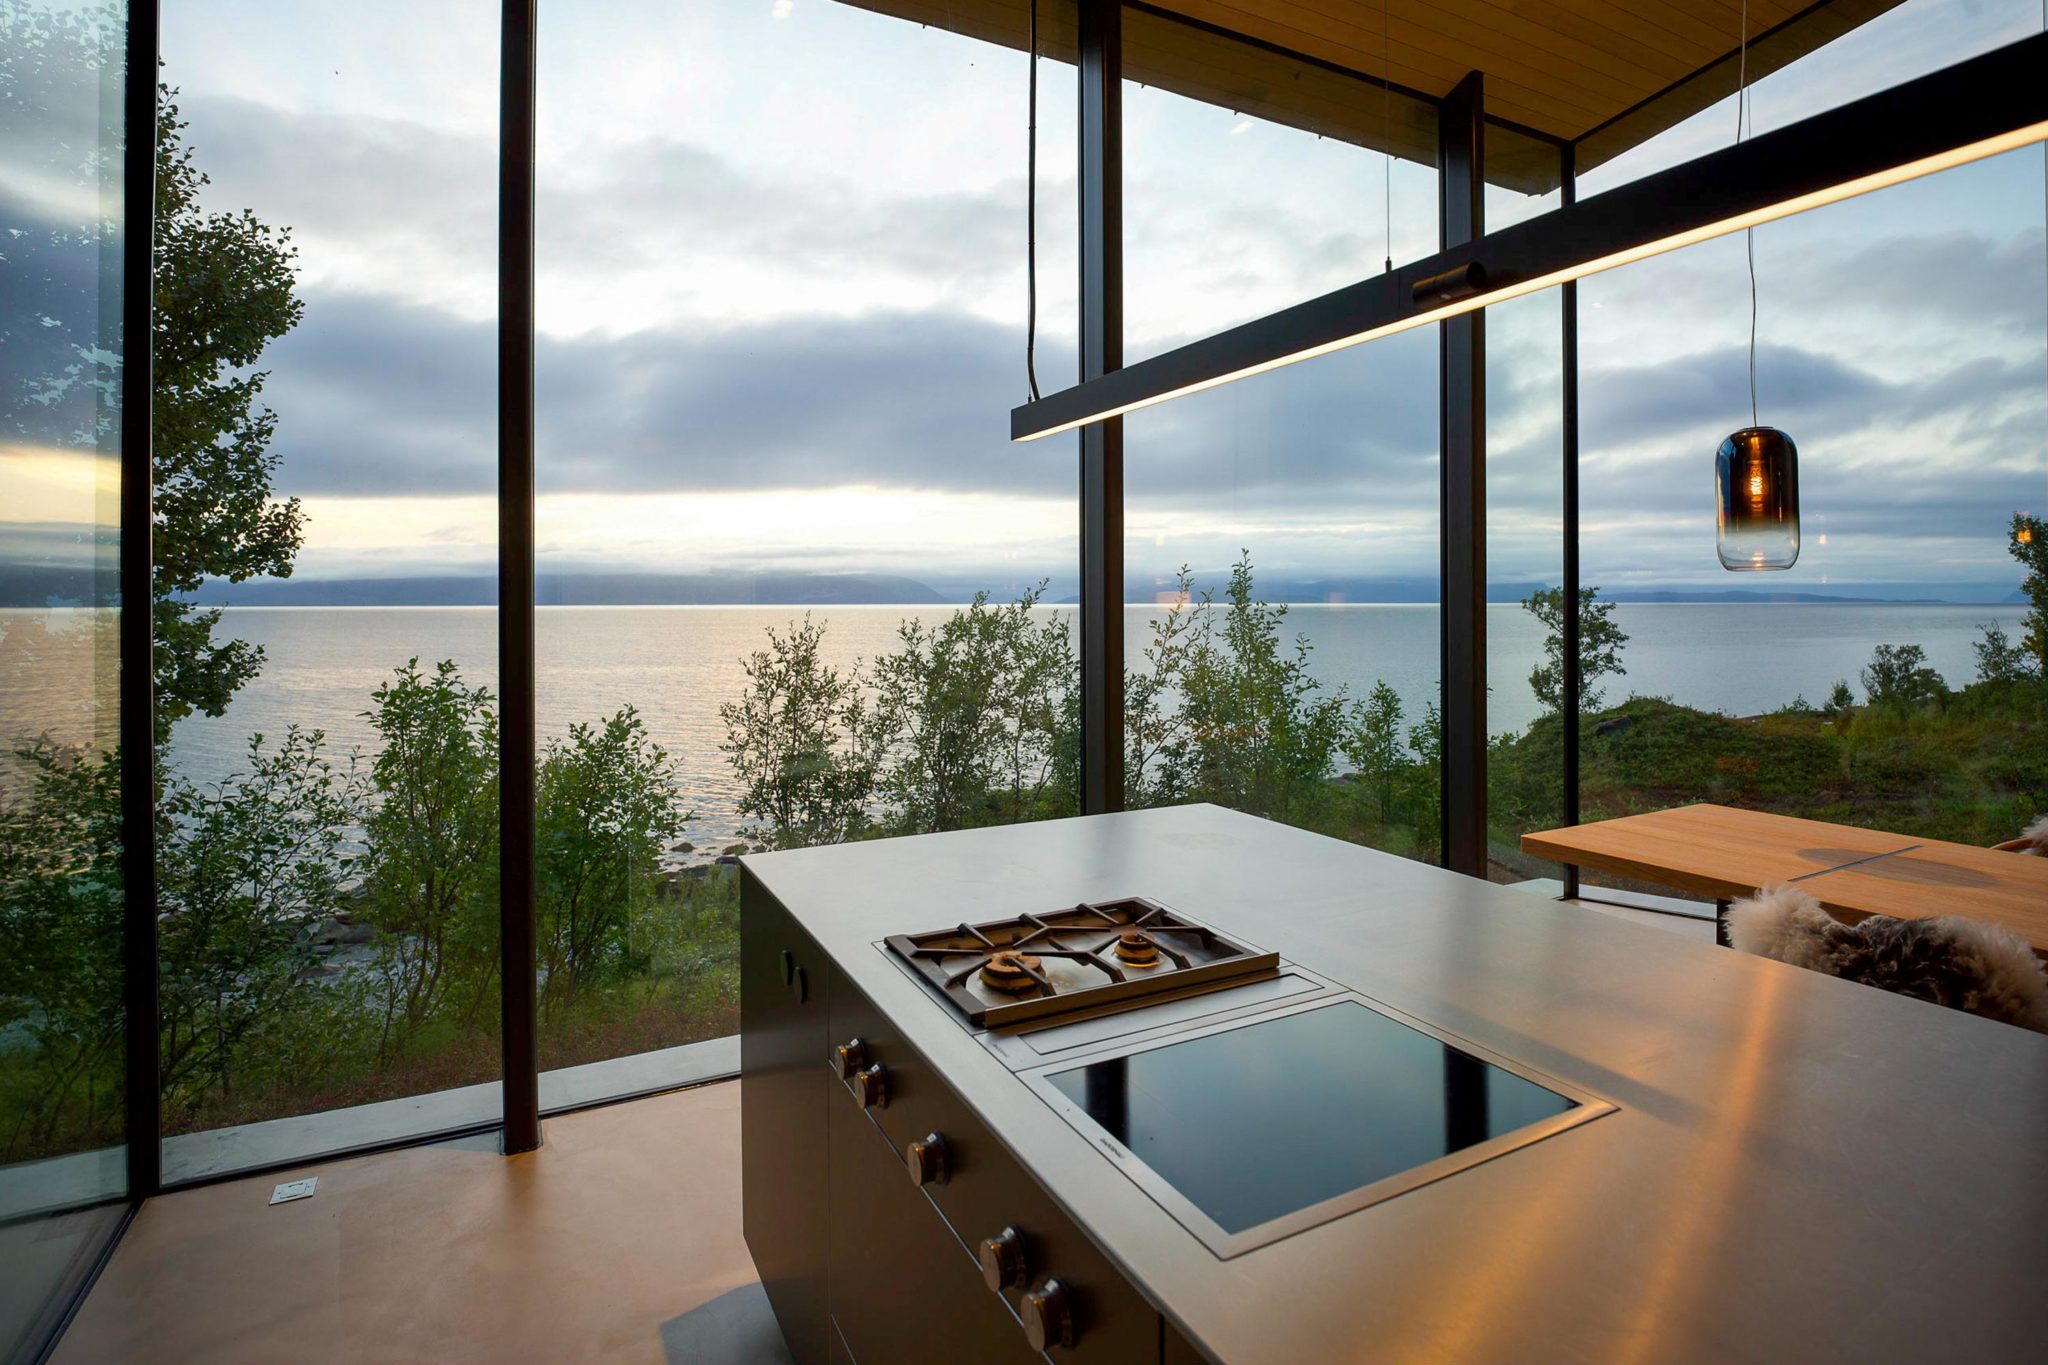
(1259, 1121)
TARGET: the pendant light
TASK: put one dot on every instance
(1756, 470)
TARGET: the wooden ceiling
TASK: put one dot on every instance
(1606, 74)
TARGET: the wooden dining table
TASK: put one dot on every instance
(1725, 853)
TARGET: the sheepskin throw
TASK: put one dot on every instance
(1962, 963)
(2033, 839)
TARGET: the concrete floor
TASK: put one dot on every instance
(619, 1241)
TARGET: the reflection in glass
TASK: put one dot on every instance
(62, 1047)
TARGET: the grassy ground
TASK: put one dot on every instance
(1973, 769)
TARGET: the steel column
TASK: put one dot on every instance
(1102, 443)
(1571, 685)
(1461, 189)
(137, 726)
(516, 741)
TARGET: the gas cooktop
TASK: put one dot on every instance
(1095, 953)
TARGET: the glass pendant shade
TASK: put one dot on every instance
(1756, 500)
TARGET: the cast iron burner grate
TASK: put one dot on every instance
(1095, 953)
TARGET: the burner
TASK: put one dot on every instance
(1011, 973)
(1136, 947)
(1096, 953)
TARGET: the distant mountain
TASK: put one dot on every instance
(1739, 595)
(578, 590)
(56, 585)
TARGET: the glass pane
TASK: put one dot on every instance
(1525, 570)
(1281, 637)
(1908, 40)
(63, 1160)
(326, 474)
(1235, 204)
(1892, 678)
(782, 320)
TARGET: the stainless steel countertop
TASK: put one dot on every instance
(1802, 1170)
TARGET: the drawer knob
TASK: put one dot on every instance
(926, 1158)
(1048, 1316)
(871, 1087)
(853, 1055)
(1002, 1261)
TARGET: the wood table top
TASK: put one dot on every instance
(1726, 853)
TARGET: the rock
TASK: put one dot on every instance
(359, 933)
(729, 859)
(731, 849)
(684, 847)
(1614, 725)
(331, 930)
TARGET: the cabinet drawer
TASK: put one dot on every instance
(985, 1191)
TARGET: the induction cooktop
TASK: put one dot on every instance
(1250, 1129)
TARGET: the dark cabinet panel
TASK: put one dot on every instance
(981, 1191)
(903, 1289)
(784, 1090)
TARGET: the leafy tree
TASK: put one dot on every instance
(974, 718)
(1898, 676)
(1155, 722)
(605, 807)
(431, 846)
(1373, 743)
(224, 290)
(1999, 660)
(2028, 543)
(801, 743)
(1261, 731)
(1840, 699)
(1426, 742)
(1600, 644)
(60, 953)
(224, 285)
(248, 868)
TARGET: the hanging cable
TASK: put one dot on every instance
(1031, 219)
(1748, 234)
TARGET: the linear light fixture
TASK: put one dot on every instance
(1976, 109)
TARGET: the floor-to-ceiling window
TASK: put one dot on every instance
(325, 544)
(1525, 601)
(796, 586)
(63, 1161)
(1893, 677)
(1280, 533)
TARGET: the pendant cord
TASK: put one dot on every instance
(1031, 219)
(1749, 233)
(1387, 121)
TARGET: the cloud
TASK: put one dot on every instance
(378, 396)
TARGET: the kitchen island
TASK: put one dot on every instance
(1694, 1155)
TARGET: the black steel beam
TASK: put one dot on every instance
(516, 739)
(137, 726)
(1461, 218)
(1571, 684)
(1984, 97)
(1102, 444)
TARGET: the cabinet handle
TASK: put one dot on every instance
(803, 986)
(926, 1159)
(1048, 1316)
(788, 968)
(871, 1087)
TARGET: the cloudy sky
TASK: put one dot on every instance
(781, 304)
